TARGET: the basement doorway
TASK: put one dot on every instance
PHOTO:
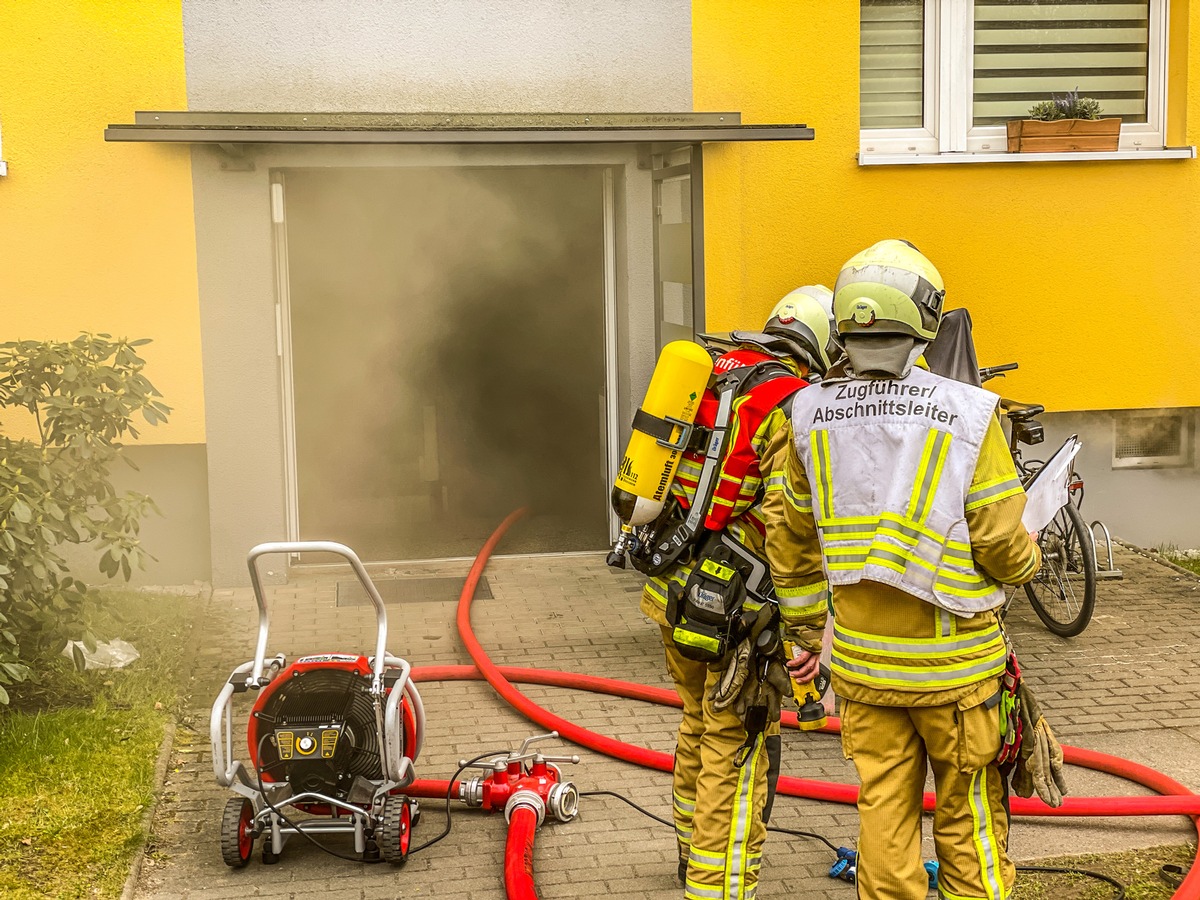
(445, 343)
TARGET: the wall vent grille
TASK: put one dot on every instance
(1152, 439)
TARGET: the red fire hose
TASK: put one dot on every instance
(518, 854)
(1178, 800)
(433, 790)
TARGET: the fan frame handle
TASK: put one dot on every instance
(256, 679)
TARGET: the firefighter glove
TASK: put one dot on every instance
(733, 677)
(766, 685)
(1039, 765)
(776, 686)
(735, 669)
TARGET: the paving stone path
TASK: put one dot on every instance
(1129, 685)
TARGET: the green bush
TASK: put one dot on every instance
(1065, 106)
(56, 489)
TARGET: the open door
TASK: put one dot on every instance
(446, 348)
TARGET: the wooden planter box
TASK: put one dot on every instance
(1034, 136)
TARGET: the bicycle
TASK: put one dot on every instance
(1063, 593)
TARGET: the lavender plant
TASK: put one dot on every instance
(1065, 106)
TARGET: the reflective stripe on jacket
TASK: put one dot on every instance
(951, 660)
(891, 463)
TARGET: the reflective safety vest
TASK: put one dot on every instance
(891, 462)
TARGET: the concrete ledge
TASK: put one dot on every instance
(160, 777)
(1157, 557)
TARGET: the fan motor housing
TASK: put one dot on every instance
(314, 726)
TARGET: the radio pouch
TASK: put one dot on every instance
(703, 611)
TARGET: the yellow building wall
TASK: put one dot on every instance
(1084, 273)
(94, 236)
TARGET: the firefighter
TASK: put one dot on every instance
(902, 490)
(719, 806)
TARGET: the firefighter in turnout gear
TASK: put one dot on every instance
(900, 488)
(720, 806)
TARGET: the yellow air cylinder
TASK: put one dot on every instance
(649, 464)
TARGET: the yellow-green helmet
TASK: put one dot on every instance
(799, 326)
(889, 288)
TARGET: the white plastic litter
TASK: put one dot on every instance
(114, 654)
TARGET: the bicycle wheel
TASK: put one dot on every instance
(1063, 593)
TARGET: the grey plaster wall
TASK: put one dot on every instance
(1148, 507)
(449, 55)
(237, 280)
(235, 267)
(176, 478)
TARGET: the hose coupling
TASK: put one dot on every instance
(528, 799)
(562, 801)
(470, 791)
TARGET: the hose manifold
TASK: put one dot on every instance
(528, 799)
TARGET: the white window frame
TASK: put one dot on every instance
(949, 91)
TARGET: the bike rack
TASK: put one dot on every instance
(1111, 572)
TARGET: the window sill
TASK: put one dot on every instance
(3, 167)
(937, 159)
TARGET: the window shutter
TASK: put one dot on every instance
(1026, 50)
(892, 63)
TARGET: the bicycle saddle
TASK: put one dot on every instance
(1021, 412)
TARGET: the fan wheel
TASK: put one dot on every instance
(237, 832)
(394, 835)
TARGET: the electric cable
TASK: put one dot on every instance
(805, 834)
(645, 812)
(777, 829)
(450, 796)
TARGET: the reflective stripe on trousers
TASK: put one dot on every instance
(717, 807)
(985, 836)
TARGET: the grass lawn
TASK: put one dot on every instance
(1188, 559)
(1136, 869)
(77, 763)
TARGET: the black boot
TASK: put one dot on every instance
(683, 872)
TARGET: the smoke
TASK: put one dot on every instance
(448, 355)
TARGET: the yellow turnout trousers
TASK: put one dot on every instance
(718, 808)
(890, 747)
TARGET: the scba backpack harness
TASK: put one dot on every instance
(706, 612)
